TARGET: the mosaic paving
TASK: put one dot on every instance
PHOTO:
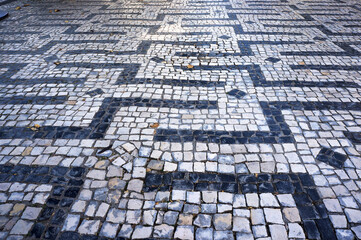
(180, 119)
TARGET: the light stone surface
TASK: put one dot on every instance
(222, 221)
(184, 232)
(180, 120)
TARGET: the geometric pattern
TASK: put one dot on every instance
(173, 119)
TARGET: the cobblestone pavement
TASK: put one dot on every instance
(180, 119)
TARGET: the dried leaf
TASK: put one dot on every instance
(56, 63)
(154, 125)
(56, 10)
(190, 66)
(35, 128)
(66, 21)
(26, 5)
(72, 102)
(301, 63)
(50, 11)
(17, 8)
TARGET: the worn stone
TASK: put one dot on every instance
(21, 227)
(141, 232)
(163, 231)
(89, 227)
(203, 220)
(184, 232)
(222, 221)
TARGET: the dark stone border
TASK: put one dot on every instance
(279, 130)
(66, 183)
(102, 119)
(311, 208)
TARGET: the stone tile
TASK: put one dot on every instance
(291, 214)
(71, 222)
(184, 232)
(21, 227)
(252, 200)
(218, 235)
(357, 231)
(344, 234)
(116, 215)
(257, 217)
(5, 208)
(259, 231)
(194, 197)
(204, 234)
(170, 217)
(102, 210)
(203, 221)
(332, 205)
(268, 200)
(133, 216)
(185, 219)
(295, 231)
(163, 231)
(353, 215)
(338, 221)
(273, 215)
(209, 196)
(17, 209)
(125, 231)
(89, 227)
(239, 201)
(241, 225)
(31, 213)
(135, 185)
(109, 230)
(278, 232)
(222, 221)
